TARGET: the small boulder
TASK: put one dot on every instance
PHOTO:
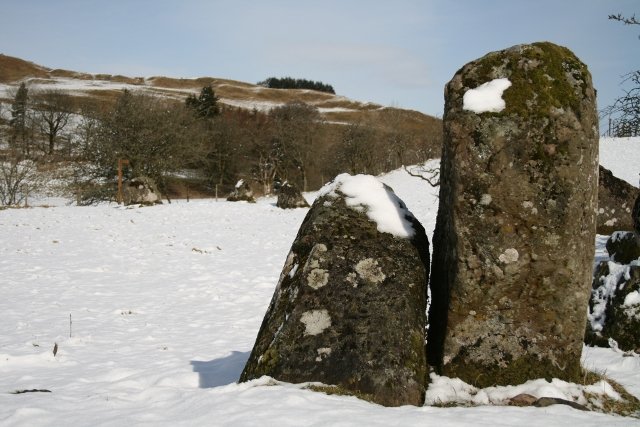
(615, 203)
(141, 191)
(623, 247)
(522, 399)
(241, 193)
(290, 197)
(349, 308)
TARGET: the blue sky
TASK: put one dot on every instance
(393, 52)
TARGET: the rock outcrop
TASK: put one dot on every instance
(616, 199)
(349, 308)
(636, 215)
(614, 309)
(290, 197)
(514, 239)
(623, 246)
(241, 193)
(141, 191)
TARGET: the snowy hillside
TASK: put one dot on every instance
(622, 157)
(155, 310)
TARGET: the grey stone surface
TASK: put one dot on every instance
(141, 191)
(615, 306)
(290, 197)
(616, 199)
(349, 308)
(623, 246)
(241, 193)
(514, 238)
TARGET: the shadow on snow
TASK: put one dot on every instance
(219, 372)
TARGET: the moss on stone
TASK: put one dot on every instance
(529, 68)
(517, 371)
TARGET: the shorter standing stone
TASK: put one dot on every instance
(616, 199)
(141, 191)
(290, 197)
(241, 193)
(349, 308)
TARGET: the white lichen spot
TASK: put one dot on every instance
(294, 294)
(370, 271)
(352, 278)
(315, 321)
(601, 211)
(317, 278)
(611, 222)
(552, 239)
(315, 256)
(527, 204)
(509, 255)
(485, 199)
(323, 353)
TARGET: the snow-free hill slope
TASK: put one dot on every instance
(165, 304)
(106, 87)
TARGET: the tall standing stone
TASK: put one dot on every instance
(514, 237)
(349, 309)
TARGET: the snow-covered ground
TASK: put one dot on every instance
(155, 310)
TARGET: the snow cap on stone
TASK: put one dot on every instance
(486, 98)
(379, 202)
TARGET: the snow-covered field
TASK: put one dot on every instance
(155, 310)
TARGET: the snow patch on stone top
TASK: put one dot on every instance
(379, 202)
(486, 98)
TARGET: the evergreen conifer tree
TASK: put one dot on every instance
(18, 120)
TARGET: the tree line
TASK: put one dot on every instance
(291, 83)
(200, 145)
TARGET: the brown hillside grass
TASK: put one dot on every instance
(15, 69)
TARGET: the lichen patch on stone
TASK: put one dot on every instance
(317, 278)
(315, 321)
(369, 270)
(509, 255)
(323, 353)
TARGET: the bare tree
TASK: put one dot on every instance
(18, 178)
(624, 113)
(149, 132)
(296, 133)
(357, 149)
(430, 175)
(625, 20)
(53, 109)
